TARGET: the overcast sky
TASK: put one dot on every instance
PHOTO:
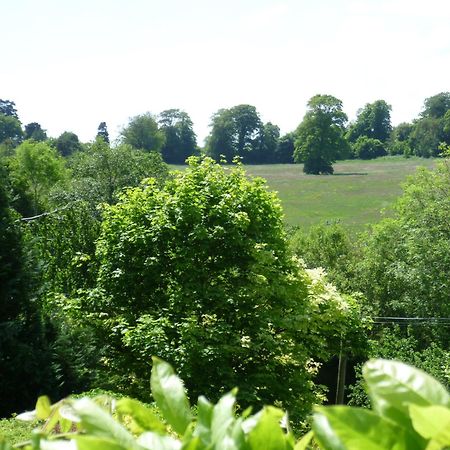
(71, 64)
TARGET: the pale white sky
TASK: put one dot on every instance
(70, 65)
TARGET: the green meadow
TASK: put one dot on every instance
(358, 193)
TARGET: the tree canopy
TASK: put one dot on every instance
(142, 133)
(320, 137)
(180, 140)
(373, 121)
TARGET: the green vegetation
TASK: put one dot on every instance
(411, 410)
(108, 259)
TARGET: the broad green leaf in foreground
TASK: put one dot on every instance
(99, 423)
(267, 434)
(143, 417)
(432, 422)
(169, 394)
(346, 428)
(43, 407)
(303, 443)
(393, 386)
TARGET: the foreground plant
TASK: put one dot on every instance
(411, 410)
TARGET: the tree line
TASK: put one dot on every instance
(324, 135)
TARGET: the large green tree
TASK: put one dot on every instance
(142, 132)
(10, 131)
(35, 168)
(373, 121)
(237, 131)
(200, 273)
(68, 143)
(180, 140)
(436, 106)
(34, 131)
(320, 137)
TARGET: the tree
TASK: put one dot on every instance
(8, 108)
(373, 121)
(320, 136)
(425, 137)
(404, 268)
(236, 131)
(10, 131)
(101, 171)
(220, 142)
(199, 272)
(68, 143)
(102, 132)
(266, 152)
(180, 140)
(35, 168)
(368, 148)
(436, 106)
(34, 131)
(284, 152)
(142, 133)
(24, 358)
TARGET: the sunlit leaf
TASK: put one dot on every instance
(346, 428)
(43, 407)
(393, 386)
(169, 394)
(432, 422)
(141, 414)
(268, 433)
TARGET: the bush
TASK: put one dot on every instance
(368, 148)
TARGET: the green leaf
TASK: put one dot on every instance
(303, 443)
(222, 417)
(168, 392)
(393, 386)
(99, 423)
(267, 433)
(43, 407)
(142, 415)
(155, 441)
(204, 417)
(96, 443)
(432, 422)
(346, 428)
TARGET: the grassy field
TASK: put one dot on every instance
(355, 195)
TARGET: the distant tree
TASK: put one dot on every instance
(320, 137)
(266, 152)
(220, 142)
(368, 148)
(8, 108)
(68, 143)
(284, 152)
(34, 131)
(142, 133)
(426, 136)
(35, 168)
(402, 131)
(101, 172)
(236, 132)
(102, 132)
(373, 121)
(180, 140)
(10, 131)
(436, 106)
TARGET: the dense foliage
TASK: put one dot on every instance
(213, 289)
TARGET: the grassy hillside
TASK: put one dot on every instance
(355, 195)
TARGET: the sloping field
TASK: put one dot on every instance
(355, 195)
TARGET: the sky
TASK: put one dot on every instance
(71, 64)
